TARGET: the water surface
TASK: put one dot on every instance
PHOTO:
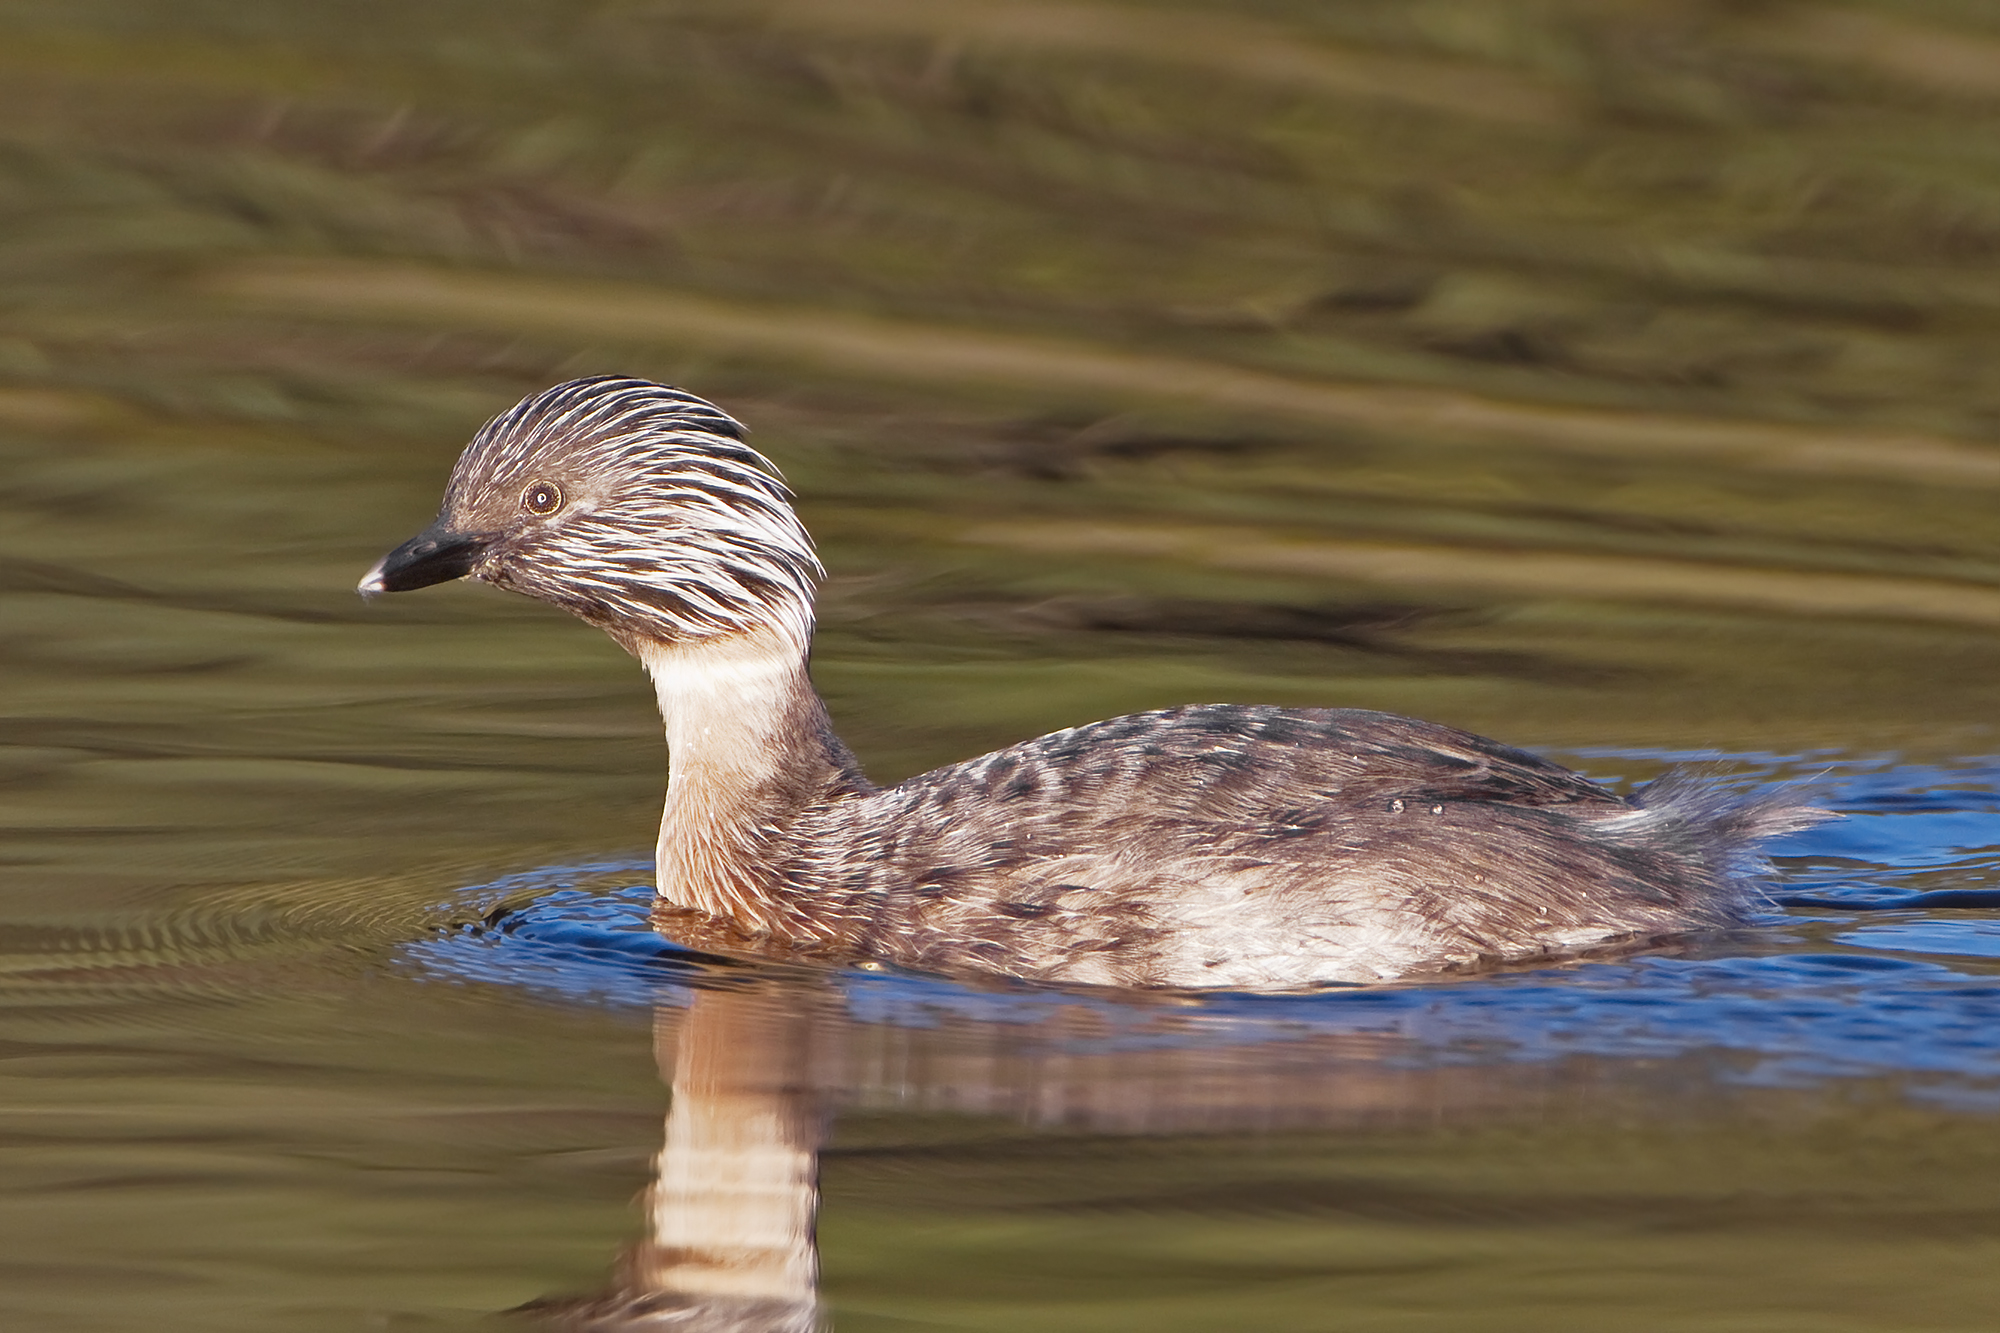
(1613, 381)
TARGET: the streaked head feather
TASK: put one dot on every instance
(670, 528)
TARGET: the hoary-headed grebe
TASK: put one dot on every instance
(1215, 845)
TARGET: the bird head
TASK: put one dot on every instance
(632, 505)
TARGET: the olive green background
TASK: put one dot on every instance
(1596, 375)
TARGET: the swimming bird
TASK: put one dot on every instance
(1209, 846)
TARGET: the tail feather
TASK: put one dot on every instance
(1692, 796)
(1718, 829)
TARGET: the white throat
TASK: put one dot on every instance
(730, 708)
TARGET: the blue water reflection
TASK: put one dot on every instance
(1881, 956)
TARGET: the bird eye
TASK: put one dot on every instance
(542, 497)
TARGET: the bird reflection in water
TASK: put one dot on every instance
(731, 1212)
(761, 1055)
(752, 1063)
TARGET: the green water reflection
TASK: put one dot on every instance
(1585, 375)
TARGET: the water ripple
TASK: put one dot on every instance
(1887, 961)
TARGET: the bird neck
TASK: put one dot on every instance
(749, 749)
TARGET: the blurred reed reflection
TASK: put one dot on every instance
(1593, 375)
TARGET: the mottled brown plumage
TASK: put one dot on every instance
(1210, 846)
